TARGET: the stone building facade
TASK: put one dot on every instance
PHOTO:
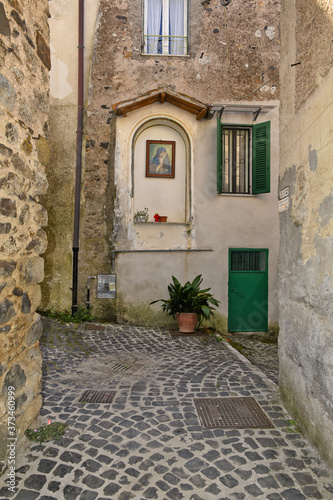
(137, 93)
(24, 86)
(306, 265)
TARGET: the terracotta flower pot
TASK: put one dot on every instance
(163, 218)
(187, 322)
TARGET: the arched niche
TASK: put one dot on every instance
(165, 196)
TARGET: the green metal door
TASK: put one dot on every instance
(248, 290)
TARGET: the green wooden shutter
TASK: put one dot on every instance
(261, 154)
(219, 155)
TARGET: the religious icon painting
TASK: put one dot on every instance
(160, 161)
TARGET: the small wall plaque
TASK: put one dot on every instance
(284, 205)
(106, 286)
(284, 192)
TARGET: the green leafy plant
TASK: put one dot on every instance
(46, 432)
(141, 215)
(294, 426)
(82, 315)
(188, 298)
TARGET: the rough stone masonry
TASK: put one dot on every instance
(24, 87)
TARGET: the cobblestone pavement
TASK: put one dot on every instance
(149, 443)
(260, 349)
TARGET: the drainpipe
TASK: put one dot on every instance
(79, 134)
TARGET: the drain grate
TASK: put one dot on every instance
(92, 326)
(231, 413)
(120, 368)
(91, 396)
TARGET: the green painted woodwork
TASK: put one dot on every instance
(261, 154)
(248, 290)
(219, 155)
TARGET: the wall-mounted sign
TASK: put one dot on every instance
(284, 204)
(284, 199)
(106, 286)
(284, 193)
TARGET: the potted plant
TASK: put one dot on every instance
(141, 215)
(188, 304)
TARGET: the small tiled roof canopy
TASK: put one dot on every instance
(182, 101)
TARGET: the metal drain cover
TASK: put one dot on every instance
(91, 396)
(231, 413)
(120, 367)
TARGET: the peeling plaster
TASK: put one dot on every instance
(326, 210)
(313, 159)
(59, 86)
(205, 59)
(270, 32)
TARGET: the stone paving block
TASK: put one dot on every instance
(45, 466)
(151, 492)
(229, 481)
(285, 480)
(224, 465)
(27, 495)
(91, 465)
(71, 492)
(111, 489)
(254, 490)
(198, 481)
(292, 494)
(174, 494)
(93, 481)
(268, 482)
(244, 474)
(88, 495)
(71, 457)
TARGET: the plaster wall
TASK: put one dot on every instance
(219, 66)
(306, 268)
(199, 245)
(63, 22)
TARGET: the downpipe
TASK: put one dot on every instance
(78, 168)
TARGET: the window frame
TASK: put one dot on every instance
(165, 31)
(259, 165)
(248, 154)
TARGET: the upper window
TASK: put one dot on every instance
(242, 169)
(165, 27)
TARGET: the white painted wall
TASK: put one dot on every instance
(165, 196)
(216, 222)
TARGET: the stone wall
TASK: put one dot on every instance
(24, 84)
(306, 265)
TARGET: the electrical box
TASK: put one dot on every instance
(106, 286)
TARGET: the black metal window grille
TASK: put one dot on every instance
(166, 44)
(248, 260)
(236, 160)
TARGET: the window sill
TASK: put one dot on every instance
(237, 195)
(166, 55)
(162, 223)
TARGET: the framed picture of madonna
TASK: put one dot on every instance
(160, 159)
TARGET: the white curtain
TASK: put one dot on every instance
(154, 17)
(176, 18)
